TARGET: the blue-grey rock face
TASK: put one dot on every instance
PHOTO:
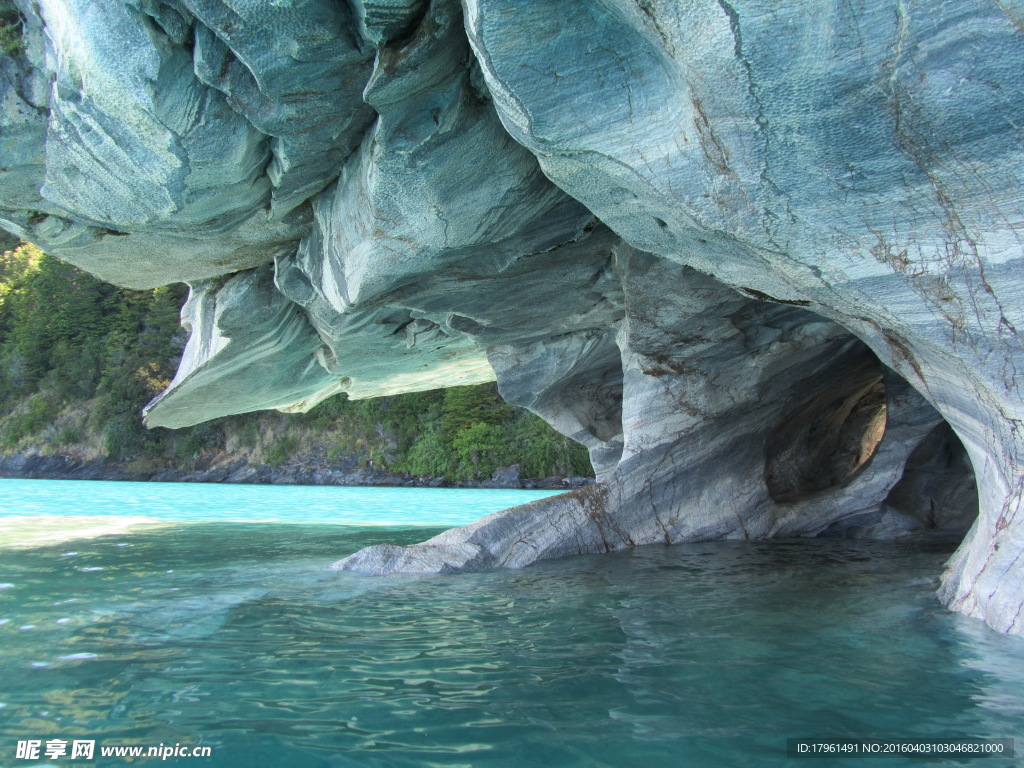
(863, 159)
(684, 233)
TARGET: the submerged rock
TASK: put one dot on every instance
(764, 262)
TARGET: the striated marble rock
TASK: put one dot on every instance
(753, 428)
(243, 333)
(862, 159)
(763, 260)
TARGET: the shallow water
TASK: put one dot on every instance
(235, 636)
(211, 502)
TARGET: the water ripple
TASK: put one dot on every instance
(697, 655)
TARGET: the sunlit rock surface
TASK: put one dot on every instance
(762, 259)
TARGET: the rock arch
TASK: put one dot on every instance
(710, 205)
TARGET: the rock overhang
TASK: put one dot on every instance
(648, 223)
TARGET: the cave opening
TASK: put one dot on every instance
(829, 443)
(938, 485)
(826, 442)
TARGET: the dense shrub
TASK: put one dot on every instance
(11, 24)
(281, 449)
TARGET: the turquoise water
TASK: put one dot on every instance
(211, 502)
(235, 636)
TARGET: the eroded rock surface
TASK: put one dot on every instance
(697, 429)
(758, 258)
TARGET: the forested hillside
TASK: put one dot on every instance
(80, 358)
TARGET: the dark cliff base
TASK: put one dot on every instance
(344, 472)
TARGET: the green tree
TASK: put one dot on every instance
(464, 407)
(47, 303)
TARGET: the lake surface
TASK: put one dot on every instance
(188, 628)
(211, 502)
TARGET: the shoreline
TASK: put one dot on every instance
(33, 466)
